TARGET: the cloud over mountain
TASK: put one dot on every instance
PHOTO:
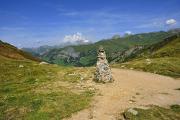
(128, 32)
(76, 38)
(171, 22)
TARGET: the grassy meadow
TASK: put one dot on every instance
(33, 91)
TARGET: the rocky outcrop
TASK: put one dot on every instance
(123, 56)
(103, 72)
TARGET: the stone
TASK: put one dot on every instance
(43, 63)
(134, 112)
(148, 61)
(123, 66)
(103, 71)
(21, 66)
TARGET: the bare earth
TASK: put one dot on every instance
(130, 89)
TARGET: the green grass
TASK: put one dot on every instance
(171, 49)
(28, 92)
(169, 66)
(164, 60)
(154, 113)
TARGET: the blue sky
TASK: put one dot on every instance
(31, 23)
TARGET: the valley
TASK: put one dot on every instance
(85, 55)
(38, 89)
(89, 59)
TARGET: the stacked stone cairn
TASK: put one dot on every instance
(103, 71)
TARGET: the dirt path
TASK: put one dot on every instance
(130, 89)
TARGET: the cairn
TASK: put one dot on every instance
(103, 71)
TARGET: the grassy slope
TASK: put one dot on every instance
(10, 51)
(165, 60)
(31, 91)
(111, 45)
(154, 113)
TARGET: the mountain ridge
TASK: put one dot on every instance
(10, 51)
(87, 53)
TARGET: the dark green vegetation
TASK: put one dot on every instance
(85, 55)
(33, 91)
(162, 58)
(154, 113)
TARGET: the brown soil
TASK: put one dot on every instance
(130, 89)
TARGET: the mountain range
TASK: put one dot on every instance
(85, 55)
(26, 83)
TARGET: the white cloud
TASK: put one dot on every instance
(128, 32)
(75, 38)
(171, 22)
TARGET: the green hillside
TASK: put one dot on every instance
(10, 51)
(31, 90)
(85, 55)
(162, 58)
